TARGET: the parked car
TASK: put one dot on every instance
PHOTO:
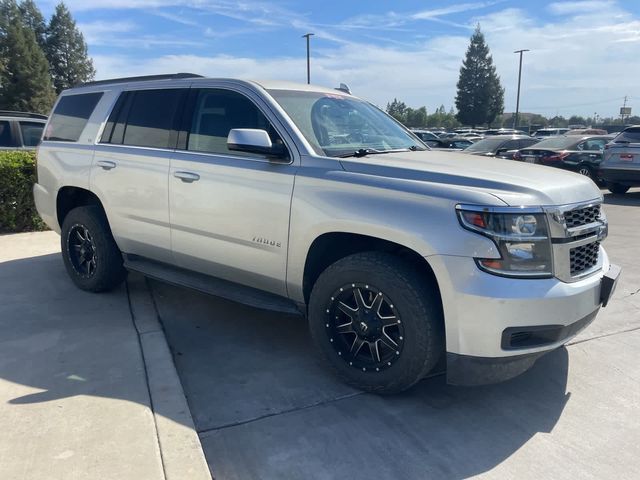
(500, 145)
(453, 143)
(399, 257)
(549, 132)
(424, 135)
(620, 167)
(504, 131)
(20, 130)
(579, 154)
(587, 131)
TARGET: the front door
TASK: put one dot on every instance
(229, 211)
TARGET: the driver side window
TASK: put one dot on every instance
(219, 111)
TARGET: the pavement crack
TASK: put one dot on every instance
(604, 335)
(207, 431)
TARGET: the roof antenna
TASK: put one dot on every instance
(344, 88)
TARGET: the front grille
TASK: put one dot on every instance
(583, 258)
(582, 216)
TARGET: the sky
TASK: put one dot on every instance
(583, 55)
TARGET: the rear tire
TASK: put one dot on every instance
(617, 188)
(90, 254)
(392, 336)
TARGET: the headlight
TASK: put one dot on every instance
(521, 235)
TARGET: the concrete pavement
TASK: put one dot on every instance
(74, 397)
(266, 408)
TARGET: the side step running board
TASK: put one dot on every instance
(210, 285)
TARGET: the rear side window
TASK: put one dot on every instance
(629, 135)
(144, 118)
(31, 133)
(71, 116)
(6, 139)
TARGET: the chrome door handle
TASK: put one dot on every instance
(187, 177)
(106, 164)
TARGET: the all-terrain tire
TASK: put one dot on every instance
(95, 263)
(411, 295)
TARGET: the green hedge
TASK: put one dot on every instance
(17, 176)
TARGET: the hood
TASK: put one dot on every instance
(515, 183)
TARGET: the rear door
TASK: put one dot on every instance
(131, 169)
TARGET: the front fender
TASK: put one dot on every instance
(335, 202)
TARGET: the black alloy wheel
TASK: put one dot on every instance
(364, 328)
(82, 251)
(376, 319)
(91, 256)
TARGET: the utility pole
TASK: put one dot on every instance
(515, 117)
(307, 36)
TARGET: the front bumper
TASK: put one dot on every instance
(535, 315)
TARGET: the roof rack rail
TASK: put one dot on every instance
(11, 113)
(169, 76)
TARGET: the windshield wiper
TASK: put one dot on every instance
(362, 152)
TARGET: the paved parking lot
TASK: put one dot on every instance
(264, 407)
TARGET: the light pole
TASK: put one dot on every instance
(307, 35)
(515, 118)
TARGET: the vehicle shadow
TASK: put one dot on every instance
(251, 375)
(630, 199)
(62, 341)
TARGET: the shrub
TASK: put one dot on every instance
(17, 176)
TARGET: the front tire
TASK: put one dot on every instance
(90, 254)
(617, 188)
(377, 321)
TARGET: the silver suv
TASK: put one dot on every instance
(20, 130)
(620, 167)
(305, 199)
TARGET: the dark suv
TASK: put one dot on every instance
(620, 168)
(20, 130)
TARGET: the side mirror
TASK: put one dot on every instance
(253, 140)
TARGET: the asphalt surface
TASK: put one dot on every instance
(264, 406)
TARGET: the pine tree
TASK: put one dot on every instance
(67, 51)
(397, 110)
(25, 83)
(32, 19)
(480, 97)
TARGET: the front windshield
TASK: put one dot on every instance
(557, 143)
(486, 145)
(338, 125)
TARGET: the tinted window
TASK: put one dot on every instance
(593, 144)
(486, 145)
(151, 117)
(70, 117)
(629, 135)
(510, 145)
(6, 140)
(216, 113)
(526, 142)
(31, 133)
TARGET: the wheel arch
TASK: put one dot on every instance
(332, 246)
(70, 197)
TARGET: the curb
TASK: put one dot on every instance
(180, 447)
